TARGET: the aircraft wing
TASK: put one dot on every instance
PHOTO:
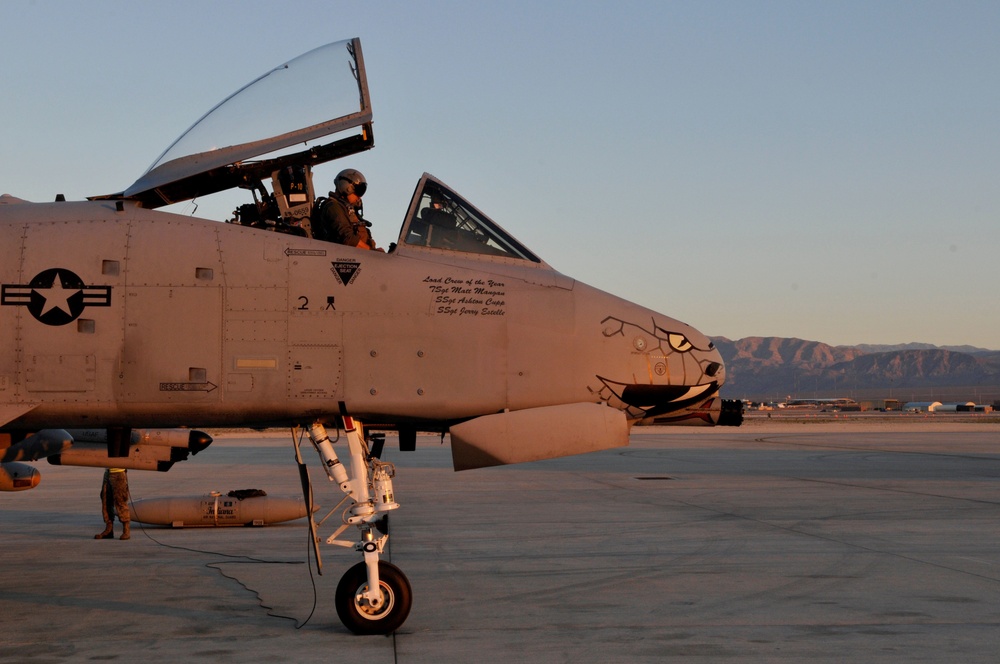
(11, 411)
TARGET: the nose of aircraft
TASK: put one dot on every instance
(669, 367)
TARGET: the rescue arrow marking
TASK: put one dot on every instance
(187, 387)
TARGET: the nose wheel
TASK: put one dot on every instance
(383, 616)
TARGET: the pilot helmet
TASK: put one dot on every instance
(350, 181)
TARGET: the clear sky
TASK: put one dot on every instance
(827, 171)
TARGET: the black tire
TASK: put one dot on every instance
(396, 592)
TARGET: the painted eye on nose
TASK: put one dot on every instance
(679, 342)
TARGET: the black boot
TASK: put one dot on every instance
(108, 532)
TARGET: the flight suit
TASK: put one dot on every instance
(338, 221)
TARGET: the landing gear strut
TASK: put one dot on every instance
(373, 597)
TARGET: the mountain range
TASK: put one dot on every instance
(772, 368)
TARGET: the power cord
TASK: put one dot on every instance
(244, 559)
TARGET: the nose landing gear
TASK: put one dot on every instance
(373, 596)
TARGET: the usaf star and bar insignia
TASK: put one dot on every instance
(55, 296)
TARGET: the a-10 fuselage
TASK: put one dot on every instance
(120, 316)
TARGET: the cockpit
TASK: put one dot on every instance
(266, 138)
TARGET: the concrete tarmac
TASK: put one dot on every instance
(773, 542)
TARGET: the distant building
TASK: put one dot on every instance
(842, 403)
(921, 406)
(966, 407)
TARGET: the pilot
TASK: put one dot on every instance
(114, 499)
(340, 217)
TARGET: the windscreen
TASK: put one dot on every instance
(443, 220)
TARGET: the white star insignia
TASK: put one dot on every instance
(56, 297)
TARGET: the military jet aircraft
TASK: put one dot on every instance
(116, 317)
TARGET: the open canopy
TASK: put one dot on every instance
(317, 95)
